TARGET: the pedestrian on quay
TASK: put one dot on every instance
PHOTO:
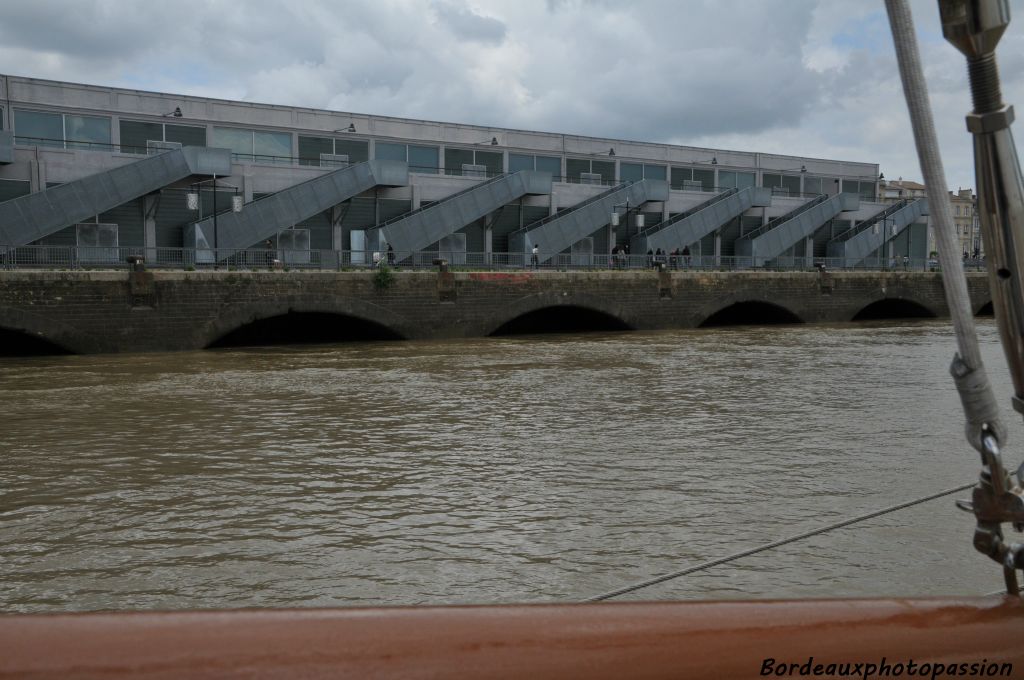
(391, 256)
(268, 244)
(650, 258)
(686, 256)
(535, 256)
(673, 258)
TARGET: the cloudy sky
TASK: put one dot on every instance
(805, 77)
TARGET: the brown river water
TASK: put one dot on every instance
(525, 468)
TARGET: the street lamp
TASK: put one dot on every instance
(638, 220)
(194, 200)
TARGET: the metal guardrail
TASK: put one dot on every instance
(188, 259)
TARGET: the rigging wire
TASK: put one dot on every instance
(775, 544)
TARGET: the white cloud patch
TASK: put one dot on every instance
(805, 77)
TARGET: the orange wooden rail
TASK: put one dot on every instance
(532, 642)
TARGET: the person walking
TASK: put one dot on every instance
(686, 256)
(535, 256)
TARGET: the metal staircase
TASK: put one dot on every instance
(557, 232)
(416, 230)
(268, 215)
(785, 231)
(31, 217)
(867, 237)
(700, 220)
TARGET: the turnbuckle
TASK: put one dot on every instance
(997, 500)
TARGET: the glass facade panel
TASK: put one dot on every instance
(493, 160)
(655, 171)
(236, 139)
(706, 179)
(424, 159)
(631, 172)
(771, 180)
(867, 191)
(135, 134)
(389, 152)
(726, 179)
(517, 162)
(87, 132)
(812, 185)
(310, 149)
(550, 164)
(270, 146)
(604, 168)
(38, 128)
(681, 175)
(791, 184)
(574, 167)
(745, 179)
(357, 150)
(454, 159)
(186, 135)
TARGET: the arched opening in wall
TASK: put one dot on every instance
(21, 344)
(304, 328)
(986, 310)
(562, 319)
(752, 313)
(894, 308)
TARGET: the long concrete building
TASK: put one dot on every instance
(104, 169)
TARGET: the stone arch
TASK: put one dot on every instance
(63, 338)
(233, 317)
(588, 311)
(749, 312)
(894, 307)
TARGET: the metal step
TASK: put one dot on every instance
(691, 226)
(29, 218)
(416, 230)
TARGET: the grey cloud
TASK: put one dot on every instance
(468, 25)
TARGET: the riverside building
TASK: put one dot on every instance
(101, 169)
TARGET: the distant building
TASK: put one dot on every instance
(968, 226)
(964, 207)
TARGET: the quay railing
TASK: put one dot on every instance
(67, 257)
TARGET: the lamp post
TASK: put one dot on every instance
(638, 220)
(196, 198)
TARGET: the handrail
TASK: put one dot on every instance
(864, 225)
(765, 228)
(573, 208)
(469, 189)
(717, 198)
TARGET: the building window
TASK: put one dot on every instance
(866, 190)
(60, 130)
(693, 179)
(136, 135)
(311, 149)
(480, 163)
(782, 185)
(259, 146)
(422, 159)
(727, 179)
(587, 171)
(634, 172)
(517, 162)
(293, 246)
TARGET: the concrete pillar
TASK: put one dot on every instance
(488, 243)
(664, 210)
(718, 248)
(337, 242)
(247, 188)
(36, 181)
(415, 196)
(809, 250)
(149, 204)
